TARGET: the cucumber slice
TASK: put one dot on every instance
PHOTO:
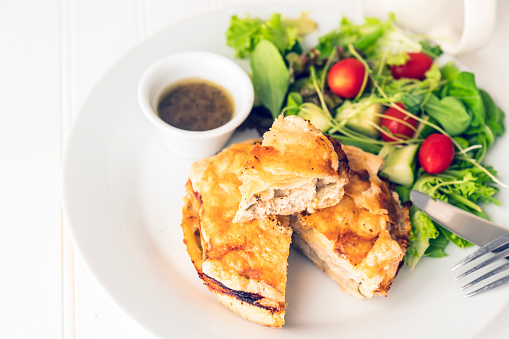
(316, 117)
(399, 163)
(359, 115)
(320, 122)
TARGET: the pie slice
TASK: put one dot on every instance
(296, 168)
(244, 263)
(361, 241)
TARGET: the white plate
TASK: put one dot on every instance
(122, 200)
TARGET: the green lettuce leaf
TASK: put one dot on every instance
(244, 34)
(450, 113)
(464, 188)
(361, 36)
(436, 248)
(454, 238)
(293, 102)
(450, 71)
(464, 88)
(271, 77)
(494, 115)
(377, 39)
(406, 86)
(422, 231)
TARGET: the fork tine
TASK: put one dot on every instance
(498, 256)
(499, 282)
(498, 270)
(493, 245)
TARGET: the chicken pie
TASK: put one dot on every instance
(243, 264)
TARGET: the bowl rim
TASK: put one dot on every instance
(244, 85)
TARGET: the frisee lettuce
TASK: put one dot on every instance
(465, 188)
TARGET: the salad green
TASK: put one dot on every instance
(441, 98)
(270, 76)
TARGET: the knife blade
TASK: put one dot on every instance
(467, 225)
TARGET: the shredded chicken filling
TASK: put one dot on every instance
(317, 193)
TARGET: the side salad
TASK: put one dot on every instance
(379, 87)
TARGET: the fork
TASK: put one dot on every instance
(498, 245)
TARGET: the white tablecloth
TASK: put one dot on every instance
(52, 55)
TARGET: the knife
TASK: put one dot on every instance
(467, 225)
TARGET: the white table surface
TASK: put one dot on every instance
(53, 53)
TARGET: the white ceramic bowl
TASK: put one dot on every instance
(203, 65)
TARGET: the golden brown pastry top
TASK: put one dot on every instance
(292, 150)
(248, 256)
(292, 147)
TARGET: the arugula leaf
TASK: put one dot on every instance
(271, 78)
(423, 229)
(450, 113)
(243, 35)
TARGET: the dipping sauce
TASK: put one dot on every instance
(195, 105)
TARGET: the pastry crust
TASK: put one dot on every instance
(244, 264)
(361, 241)
(296, 168)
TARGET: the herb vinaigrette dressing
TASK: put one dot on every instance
(195, 105)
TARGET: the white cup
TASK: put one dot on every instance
(458, 26)
(202, 65)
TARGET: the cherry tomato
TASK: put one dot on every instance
(397, 127)
(436, 153)
(415, 67)
(346, 77)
